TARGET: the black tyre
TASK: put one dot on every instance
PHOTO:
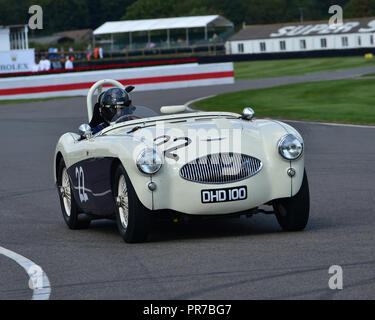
(69, 207)
(133, 219)
(293, 213)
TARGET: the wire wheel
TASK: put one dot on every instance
(123, 201)
(65, 192)
(132, 217)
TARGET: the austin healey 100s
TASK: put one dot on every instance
(143, 165)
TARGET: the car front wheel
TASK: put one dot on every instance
(293, 213)
(133, 219)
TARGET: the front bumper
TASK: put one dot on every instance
(272, 182)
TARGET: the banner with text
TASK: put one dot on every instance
(16, 61)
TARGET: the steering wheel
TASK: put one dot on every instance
(99, 85)
(127, 116)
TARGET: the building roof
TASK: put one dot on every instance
(162, 24)
(46, 39)
(13, 26)
(309, 28)
(75, 34)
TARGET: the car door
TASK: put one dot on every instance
(91, 177)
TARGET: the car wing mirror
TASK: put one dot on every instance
(85, 131)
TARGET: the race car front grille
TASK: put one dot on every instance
(221, 168)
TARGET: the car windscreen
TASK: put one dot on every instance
(132, 112)
(145, 112)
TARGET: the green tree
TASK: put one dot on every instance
(238, 11)
(61, 15)
(360, 8)
(147, 9)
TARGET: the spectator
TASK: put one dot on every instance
(68, 64)
(44, 64)
(35, 67)
(50, 51)
(101, 53)
(56, 64)
(89, 52)
(96, 53)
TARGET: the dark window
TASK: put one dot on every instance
(240, 47)
(282, 45)
(345, 41)
(262, 46)
(323, 43)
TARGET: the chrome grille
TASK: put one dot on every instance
(221, 168)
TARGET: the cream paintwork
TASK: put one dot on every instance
(258, 138)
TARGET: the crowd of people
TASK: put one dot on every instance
(57, 64)
(56, 60)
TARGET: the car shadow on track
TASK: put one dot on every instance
(222, 228)
(209, 229)
(199, 229)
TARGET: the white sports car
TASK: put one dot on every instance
(179, 165)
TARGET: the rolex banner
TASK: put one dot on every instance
(16, 61)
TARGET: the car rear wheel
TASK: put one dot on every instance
(133, 219)
(293, 213)
(69, 207)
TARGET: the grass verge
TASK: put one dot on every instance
(343, 101)
(33, 100)
(293, 67)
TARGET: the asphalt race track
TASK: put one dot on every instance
(236, 258)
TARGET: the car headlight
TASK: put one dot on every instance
(149, 161)
(290, 147)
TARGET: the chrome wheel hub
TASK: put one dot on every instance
(65, 192)
(122, 201)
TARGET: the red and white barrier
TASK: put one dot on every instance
(147, 78)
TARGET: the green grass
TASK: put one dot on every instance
(292, 67)
(32, 100)
(345, 101)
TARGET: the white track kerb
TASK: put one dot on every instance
(38, 279)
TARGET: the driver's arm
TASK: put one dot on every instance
(99, 127)
(96, 117)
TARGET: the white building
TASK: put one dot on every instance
(308, 36)
(15, 55)
(162, 32)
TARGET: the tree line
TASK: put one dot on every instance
(61, 15)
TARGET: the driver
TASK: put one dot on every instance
(113, 104)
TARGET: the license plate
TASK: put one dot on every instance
(224, 195)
